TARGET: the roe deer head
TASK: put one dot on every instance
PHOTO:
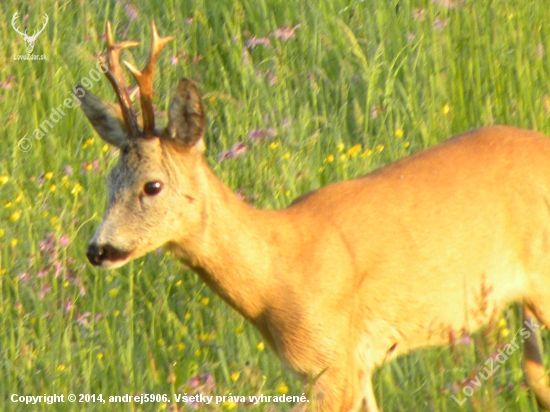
(355, 273)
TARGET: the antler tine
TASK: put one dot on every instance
(114, 74)
(145, 80)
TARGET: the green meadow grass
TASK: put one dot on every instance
(356, 85)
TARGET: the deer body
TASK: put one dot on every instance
(355, 273)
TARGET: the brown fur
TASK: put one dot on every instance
(358, 272)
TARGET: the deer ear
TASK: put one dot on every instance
(186, 123)
(105, 117)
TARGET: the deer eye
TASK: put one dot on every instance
(153, 188)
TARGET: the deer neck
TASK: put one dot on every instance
(232, 254)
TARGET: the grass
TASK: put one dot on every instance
(357, 85)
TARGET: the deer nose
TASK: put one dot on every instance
(96, 254)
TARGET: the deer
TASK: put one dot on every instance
(349, 276)
(30, 40)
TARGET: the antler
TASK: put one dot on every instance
(13, 20)
(36, 33)
(145, 80)
(114, 74)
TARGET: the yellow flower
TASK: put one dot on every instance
(178, 283)
(181, 346)
(54, 220)
(502, 323)
(89, 167)
(399, 133)
(198, 352)
(113, 293)
(274, 145)
(235, 376)
(229, 405)
(76, 189)
(260, 346)
(48, 176)
(65, 181)
(2, 271)
(367, 153)
(53, 188)
(15, 216)
(446, 108)
(19, 198)
(116, 313)
(2, 232)
(105, 148)
(88, 142)
(286, 156)
(504, 332)
(205, 301)
(100, 356)
(282, 388)
(4, 179)
(61, 368)
(354, 150)
(379, 148)
(8, 205)
(187, 316)
(406, 144)
(340, 147)
(14, 242)
(161, 342)
(287, 193)
(330, 158)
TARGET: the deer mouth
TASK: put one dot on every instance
(107, 256)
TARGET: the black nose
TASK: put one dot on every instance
(96, 254)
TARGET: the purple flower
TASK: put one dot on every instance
(131, 11)
(256, 41)
(285, 33)
(261, 134)
(64, 241)
(236, 150)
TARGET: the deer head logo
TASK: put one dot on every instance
(30, 40)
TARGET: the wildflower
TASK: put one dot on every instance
(61, 368)
(330, 158)
(131, 11)
(379, 148)
(76, 189)
(4, 179)
(113, 293)
(64, 241)
(406, 145)
(69, 170)
(48, 176)
(286, 156)
(14, 242)
(285, 33)
(88, 143)
(181, 346)
(282, 388)
(260, 346)
(399, 133)
(440, 23)
(235, 376)
(1, 232)
(446, 108)
(100, 356)
(239, 330)
(256, 41)
(236, 150)
(419, 14)
(19, 197)
(105, 148)
(161, 342)
(261, 134)
(354, 150)
(205, 301)
(15, 216)
(116, 313)
(274, 145)
(340, 147)
(174, 60)
(187, 316)
(502, 323)
(504, 332)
